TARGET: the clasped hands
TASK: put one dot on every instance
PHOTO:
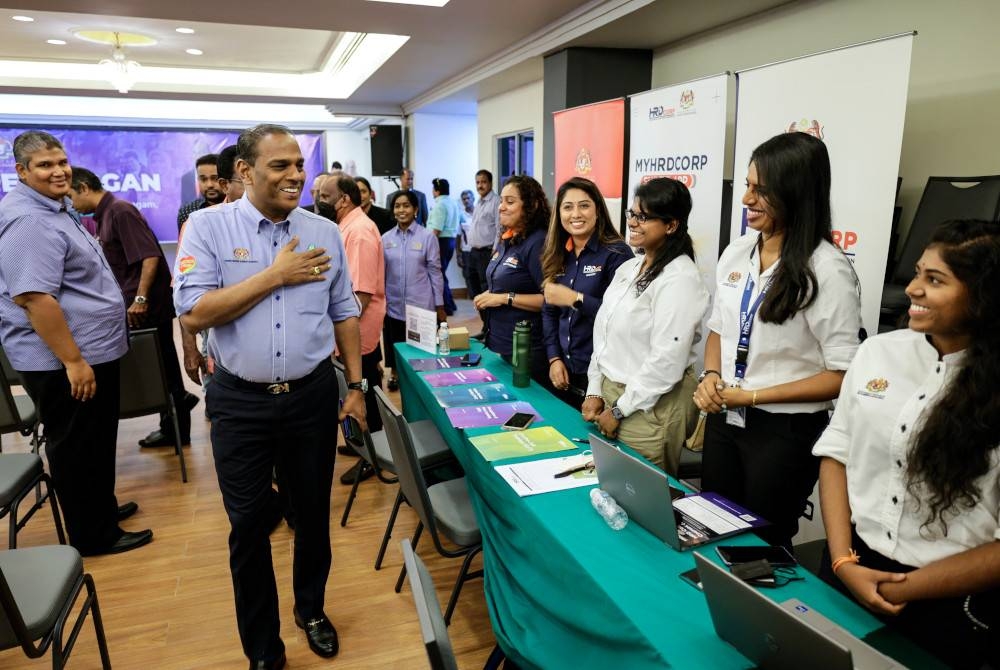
(594, 410)
(713, 395)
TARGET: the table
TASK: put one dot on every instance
(566, 591)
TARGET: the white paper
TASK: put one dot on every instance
(539, 476)
(421, 328)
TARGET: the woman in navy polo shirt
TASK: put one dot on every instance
(582, 252)
(514, 274)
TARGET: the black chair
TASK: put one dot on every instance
(444, 509)
(17, 412)
(144, 385)
(39, 588)
(19, 473)
(944, 198)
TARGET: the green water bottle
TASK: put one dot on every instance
(521, 358)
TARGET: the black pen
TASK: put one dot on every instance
(579, 468)
(581, 440)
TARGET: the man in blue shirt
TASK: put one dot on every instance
(445, 222)
(271, 281)
(62, 325)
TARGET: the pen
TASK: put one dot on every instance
(581, 440)
(579, 468)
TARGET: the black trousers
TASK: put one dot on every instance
(252, 431)
(939, 626)
(574, 395)
(447, 247)
(475, 271)
(82, 437)
(371, 371)
(175, 383)
(767, 467)
(393, 331)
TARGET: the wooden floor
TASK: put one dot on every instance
(169, 605)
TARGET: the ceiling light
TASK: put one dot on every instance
(121, 72)
(427, 3)
(26, 19)
(58, 43)
(194, 52)
(185, 31)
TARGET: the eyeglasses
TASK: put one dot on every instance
(639, 217)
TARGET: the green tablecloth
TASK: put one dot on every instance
(566, 591)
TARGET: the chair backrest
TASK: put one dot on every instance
(432, 624)
(411, 477)
(946, 198)
(143, 380)
(11, 375)
(10, 418)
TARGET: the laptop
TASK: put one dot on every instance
(644, 492)
(779, 636)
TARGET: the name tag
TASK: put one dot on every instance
(417, 246)
(737, 417)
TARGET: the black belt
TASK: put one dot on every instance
(486, 248)
(276, 388)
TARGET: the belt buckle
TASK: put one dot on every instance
(275, 389)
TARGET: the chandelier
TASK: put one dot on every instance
(121, 72)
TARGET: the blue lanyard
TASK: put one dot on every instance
(748, 313)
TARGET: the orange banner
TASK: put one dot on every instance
(590, 142)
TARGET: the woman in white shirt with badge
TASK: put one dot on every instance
(641, 377)
(910, 472)
(784, 327)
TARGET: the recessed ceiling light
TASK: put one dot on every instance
(26, 19)
(58, 43)
(194, 52)
(185, 31)
(426, 3)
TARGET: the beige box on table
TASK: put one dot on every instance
(458, 338)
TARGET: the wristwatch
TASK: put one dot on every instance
(510, 299)
(705, 373)
(140, 300)
(617, 412)
(359, 386)
(578, 303)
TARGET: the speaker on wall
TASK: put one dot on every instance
(387, 150)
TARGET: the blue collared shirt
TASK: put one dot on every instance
(515, 267)
(412, 270)
(569, 333)
(482, 227)
(446, 216)
(288, 333)
(44, 249)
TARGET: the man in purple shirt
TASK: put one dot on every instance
(62, 324)
(271, 281)
(139, 266)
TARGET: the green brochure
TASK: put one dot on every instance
(518, 443)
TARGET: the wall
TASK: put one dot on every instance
(954, 91)
(518, 109)
(443, 146)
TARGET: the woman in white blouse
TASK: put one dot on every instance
(640, 377)
(784, 327)
(910, 473)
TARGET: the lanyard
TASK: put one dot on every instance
(748, 313)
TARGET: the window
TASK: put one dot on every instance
(515, 155)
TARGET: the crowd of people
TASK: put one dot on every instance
(908, 466)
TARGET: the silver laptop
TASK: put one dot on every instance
(644, 492)
(779, 636)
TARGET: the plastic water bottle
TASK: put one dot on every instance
(444, 343)
(521, 358)
(610, 510)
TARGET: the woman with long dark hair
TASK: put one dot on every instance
(641, 377)
(582, 252)
(910, 472)
(514, 275)
(784, 327)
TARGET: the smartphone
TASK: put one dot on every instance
(471, 360)
(692, 578)
(518, 421)
(776, 556)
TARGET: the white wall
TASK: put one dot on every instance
(443, 146)
(954, 93)
(518, 109)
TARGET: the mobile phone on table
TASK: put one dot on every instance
(471, 360)
(776, 556)
(692, 578)
(518, 421)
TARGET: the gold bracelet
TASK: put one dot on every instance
(753, 401)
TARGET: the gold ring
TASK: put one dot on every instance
(315, 270)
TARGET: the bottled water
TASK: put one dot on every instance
(444, 344)
(610, 510)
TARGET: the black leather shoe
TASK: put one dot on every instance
(346, 450)
(160, 439)
(127, 510)
(190, 401)
(321, 634)
(276, 664)
(393, 384)
(352, 473)
(127, 542)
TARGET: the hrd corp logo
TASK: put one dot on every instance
(686, 178)
(658, 112)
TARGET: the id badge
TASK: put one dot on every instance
(737, 417)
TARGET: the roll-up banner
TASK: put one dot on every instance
(590, 143)
(680, 132)
(854, 99)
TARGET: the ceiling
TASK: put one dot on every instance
(457, 54)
